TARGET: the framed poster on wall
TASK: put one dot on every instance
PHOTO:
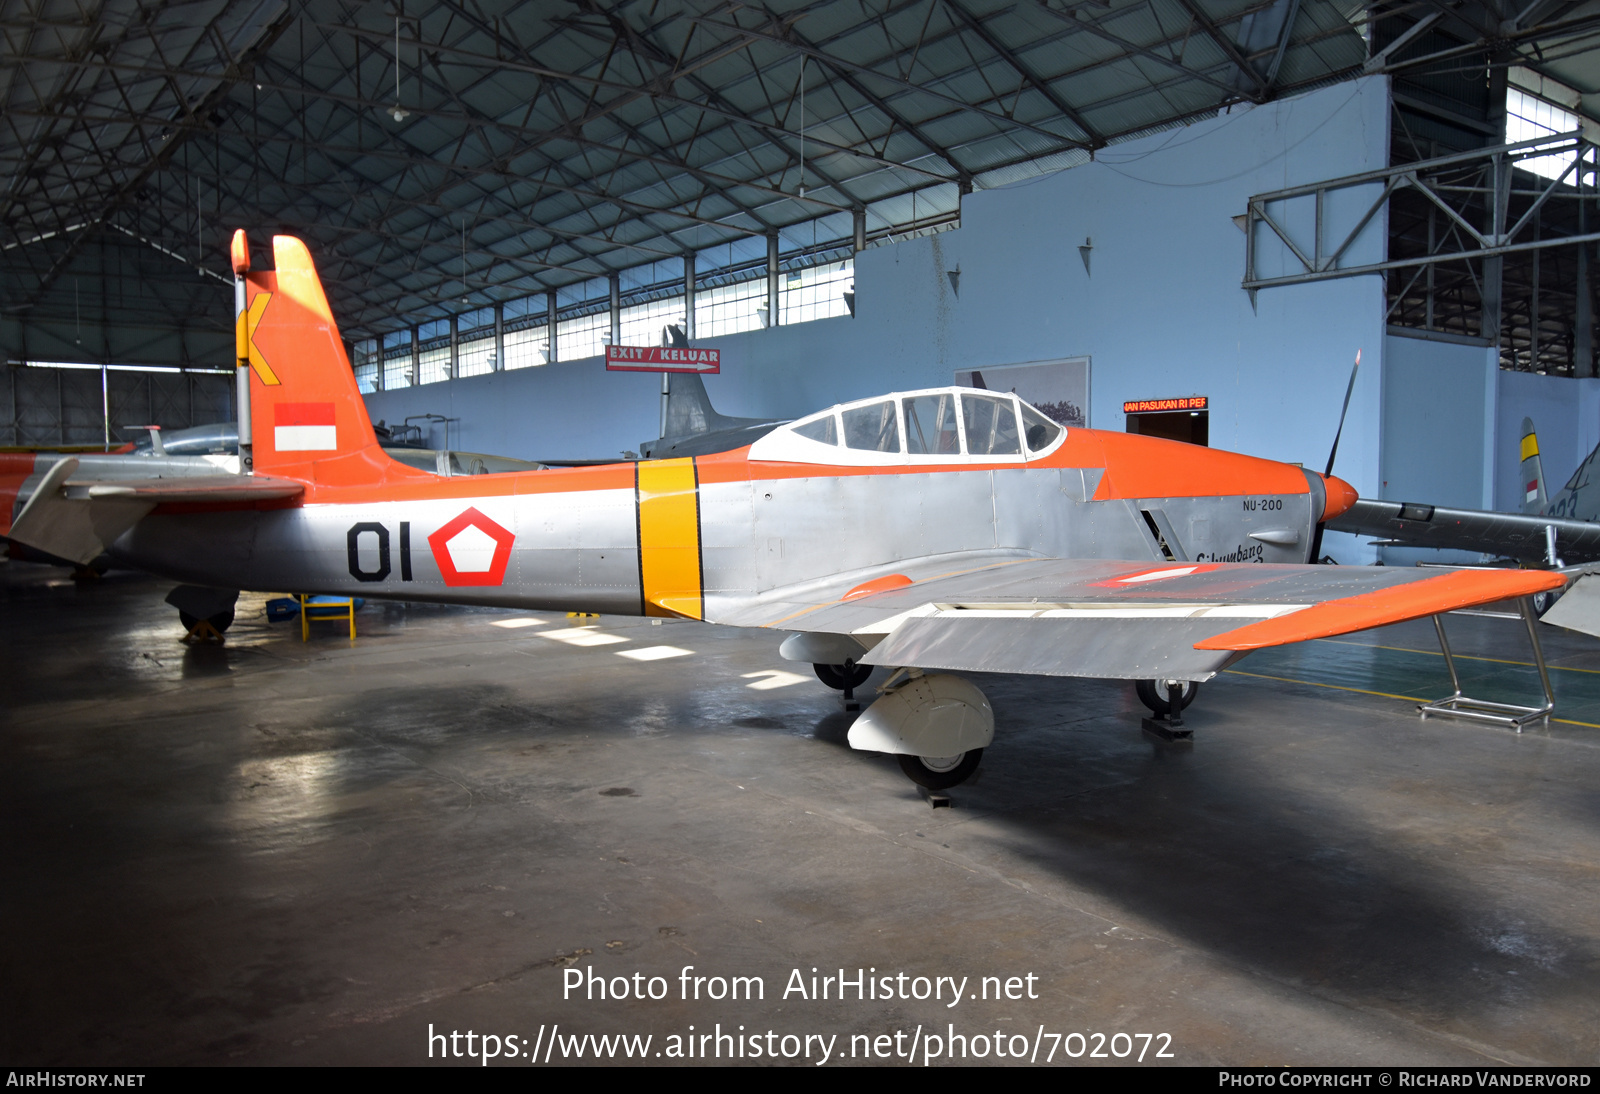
(1059, 388)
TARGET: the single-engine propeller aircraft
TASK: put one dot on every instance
(948, 529)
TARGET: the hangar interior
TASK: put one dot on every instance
(280, 851)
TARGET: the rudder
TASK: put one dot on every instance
(308, 420)
(1534, 495)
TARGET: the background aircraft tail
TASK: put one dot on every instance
(308, 420)
(1534, 495)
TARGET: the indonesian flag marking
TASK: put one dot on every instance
(1533, 489)
(304, 427)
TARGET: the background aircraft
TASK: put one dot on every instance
(947, 529)
(1549, 531)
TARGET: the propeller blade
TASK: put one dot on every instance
(1316, 536)
(1348, 391)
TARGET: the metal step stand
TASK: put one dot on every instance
(1457, 705)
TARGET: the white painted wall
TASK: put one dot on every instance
(1160, 313)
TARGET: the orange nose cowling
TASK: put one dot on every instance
(1341, 496)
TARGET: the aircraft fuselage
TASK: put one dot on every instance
(698, 537)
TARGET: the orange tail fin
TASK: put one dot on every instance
(308, 420)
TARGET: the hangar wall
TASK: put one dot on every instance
(1158, 308)
(1439, 400)
(1452, 424)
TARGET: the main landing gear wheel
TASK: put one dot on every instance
(843, 677)
(941, 772)
(221, 621)
(1153, 694)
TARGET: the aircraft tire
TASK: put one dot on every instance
(221, 621)
(1153, 695)
(945, 772)
(840, 677)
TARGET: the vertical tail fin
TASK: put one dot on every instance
(1534, 495)
(308, 420)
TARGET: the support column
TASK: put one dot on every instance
(241, 371)
(616, 309)
(416, 358)
(772, 271)
(455, 346)
(499, 338)
(1494, 268)
(688, 296)
(858, 218)
(1489, 322)
(550, 325)
(1533, 303)
(1583, 314)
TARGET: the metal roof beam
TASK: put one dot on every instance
(1030, 77)
(794, 40)
(663, 93)
(1227, 46)
(1089, 27)
(231, 74)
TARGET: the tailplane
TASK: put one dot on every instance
(308, 420)
(1534, 495)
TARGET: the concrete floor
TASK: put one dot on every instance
(286, 853)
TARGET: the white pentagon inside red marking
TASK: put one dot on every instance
(472, 550)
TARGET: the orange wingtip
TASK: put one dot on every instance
(1447, 592)
(239, 251)
(877, 585)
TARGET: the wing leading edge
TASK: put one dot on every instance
(1133, 620)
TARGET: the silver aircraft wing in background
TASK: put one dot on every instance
(1515, 535)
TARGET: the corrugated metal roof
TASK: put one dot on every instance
(548, 144)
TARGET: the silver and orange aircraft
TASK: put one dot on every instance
(948, 529)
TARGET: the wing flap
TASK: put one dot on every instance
(1122, 648)
(1132, 620)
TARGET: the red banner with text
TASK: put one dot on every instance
(663, 359)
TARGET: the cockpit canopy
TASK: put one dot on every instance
(939, 425)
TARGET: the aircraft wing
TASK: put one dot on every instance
(77, 521)
(1512, 534)
(1130, 620)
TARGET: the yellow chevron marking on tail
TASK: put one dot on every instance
(252, 321)
(669, 538)
(1530, 446)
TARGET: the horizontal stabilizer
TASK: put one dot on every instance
(77, 530)
(78, 521)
